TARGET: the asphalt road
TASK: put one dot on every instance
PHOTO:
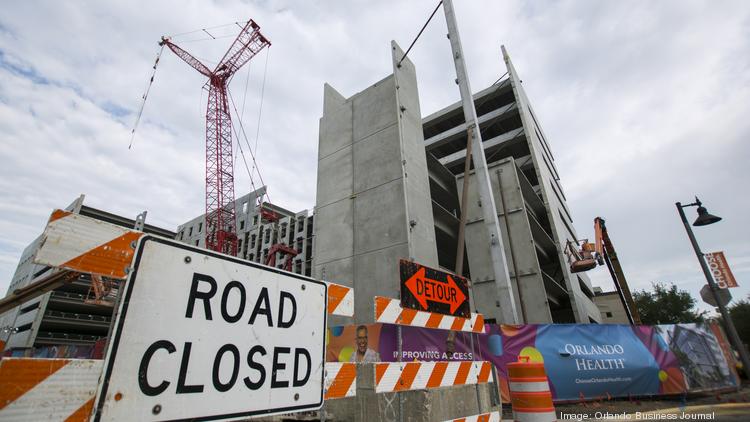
(727, 406)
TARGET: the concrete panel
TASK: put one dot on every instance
(560, 235)
(374, 108)
(334, 177)
(529, 284)
(379, 218)
(334, 230)
(422, 232)
(335, 129)
(377, 159)
(376, 274)
(449, 403)
(422, 242)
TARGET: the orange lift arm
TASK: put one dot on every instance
(601, 252)
(604, 245)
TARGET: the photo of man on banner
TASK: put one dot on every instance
(362, 353)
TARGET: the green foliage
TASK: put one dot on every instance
(666, 305)
(740, 314)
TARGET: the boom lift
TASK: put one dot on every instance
(601, 252)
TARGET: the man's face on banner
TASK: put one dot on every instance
(362, 340)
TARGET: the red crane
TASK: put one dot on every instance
(221, 232)
(284, 250)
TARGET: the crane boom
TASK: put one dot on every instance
(187, 57)
(249, 43)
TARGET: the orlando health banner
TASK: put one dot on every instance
(583, 361)
(588, 361)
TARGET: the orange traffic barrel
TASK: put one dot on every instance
(529, 392)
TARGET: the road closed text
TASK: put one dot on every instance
(253, 367)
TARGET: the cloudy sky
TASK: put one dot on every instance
(644, 103)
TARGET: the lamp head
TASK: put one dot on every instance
(704, 218)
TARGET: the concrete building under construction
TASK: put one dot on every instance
(257, 236)
(389, 183)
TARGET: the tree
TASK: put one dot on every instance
(740, 314)
(666, 305)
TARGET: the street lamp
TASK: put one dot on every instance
(704, 219)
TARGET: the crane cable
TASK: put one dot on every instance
(252, 183)
(145, 95)
(257, 133)
(420, 33)
(242, 115)
(205, 29)
(262, 91)
(252, 155)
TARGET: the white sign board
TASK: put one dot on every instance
(205, 336)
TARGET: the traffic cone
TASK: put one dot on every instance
(529, 392)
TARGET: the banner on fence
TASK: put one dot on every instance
(587, 361)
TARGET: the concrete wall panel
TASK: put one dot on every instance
(376, 274)
(333, 239)
(335, 130)
(374, 108)
(335, 177)
(378, 220)
(377, 159)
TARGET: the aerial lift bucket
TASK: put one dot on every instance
(582, 265)
(586, 261)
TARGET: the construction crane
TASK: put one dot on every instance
(283, 250)
(221, 231)
(601, 252)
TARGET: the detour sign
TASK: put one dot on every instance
(427, 289)
(203, 336)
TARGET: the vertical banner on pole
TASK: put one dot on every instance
(720, 270)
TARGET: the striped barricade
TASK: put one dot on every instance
(389, 311)
(87, 245)
(64, 389)
(74, 242)
(404, 376)
(340, 380)
(47, 389)
(340, 300)
(484, 417)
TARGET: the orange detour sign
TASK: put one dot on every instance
(529, 392)
(431, 290)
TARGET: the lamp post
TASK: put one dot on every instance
(704, 218)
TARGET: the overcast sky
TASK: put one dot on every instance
(644, 104)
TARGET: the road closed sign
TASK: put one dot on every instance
(204, 336)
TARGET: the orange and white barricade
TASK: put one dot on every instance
(340, 380)
(78, 243)
(48, 389)
(389, 311)
(529, 392)
(404, 376)
(483, 417)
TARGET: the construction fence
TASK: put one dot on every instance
(583, 361)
